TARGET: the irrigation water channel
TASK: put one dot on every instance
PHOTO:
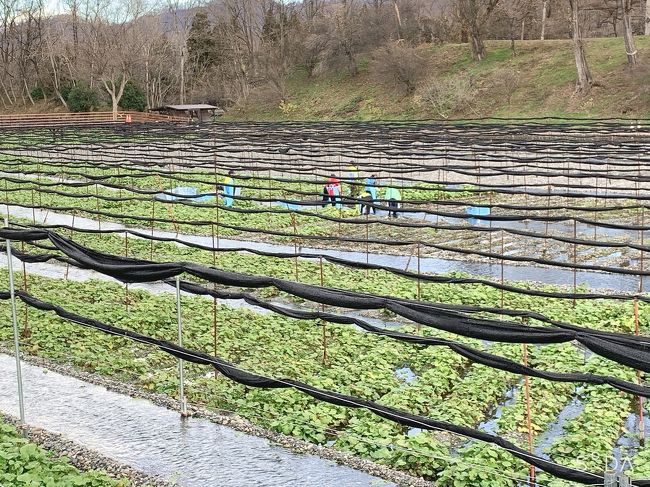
(545, 275)
(155, 440)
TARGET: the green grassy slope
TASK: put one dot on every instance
(544, 74)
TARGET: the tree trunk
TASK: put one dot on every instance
(476, 42)
(29, 95)
(630, 47)
(115, 107)
(147, 84)
(182, 75)
(544, 16)
(115, 92)
(585, 80)
(647, 17)
(399, 20)
(55, 78)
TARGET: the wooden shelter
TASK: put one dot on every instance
(201, 112)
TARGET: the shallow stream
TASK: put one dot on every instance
(155, 440)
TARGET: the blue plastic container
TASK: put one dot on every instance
(477, 211)
(179, 192)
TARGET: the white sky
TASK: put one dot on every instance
(53, 7)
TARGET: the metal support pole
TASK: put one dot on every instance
(610, 479)
(322, 280)
(14, 320)
(181, 372)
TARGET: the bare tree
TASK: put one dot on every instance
(584, 81)
(119, 47)
(399, 65)
(516, 15)
(179, 26)
(473, 14)
(55, 59)
(628, 34)
(544, 18)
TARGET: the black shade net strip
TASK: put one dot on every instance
(458, 162)
(418, 140)
(108, 181)
(517, 313)
(472, 354)
(259, 381)
(450, 152)
(391, 242)
(40, 187)
(508, 158)
(632, 351)
(355, 264)
(460, 159)
(474, 185)
(376, 135)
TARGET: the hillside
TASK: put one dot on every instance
(539, 79)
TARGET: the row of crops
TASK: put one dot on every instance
(26, 464)
(93, 200)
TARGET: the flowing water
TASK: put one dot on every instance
(155, 440)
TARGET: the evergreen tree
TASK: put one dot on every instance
(202, 45)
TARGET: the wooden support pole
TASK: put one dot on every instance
(295, 243)
(153, 215)
(575, 259)
(641, 259)
(548, 215)
(419, 281)
(120, 190)
(25, 333)
(529, 420)
(490, 223)
(33, 208)
(215, 246)
(99, 215)
(268, 185)
(322, 279)
(67, 265)
(502, 254)
(7, 199)
(126, 285)
(367, 242)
